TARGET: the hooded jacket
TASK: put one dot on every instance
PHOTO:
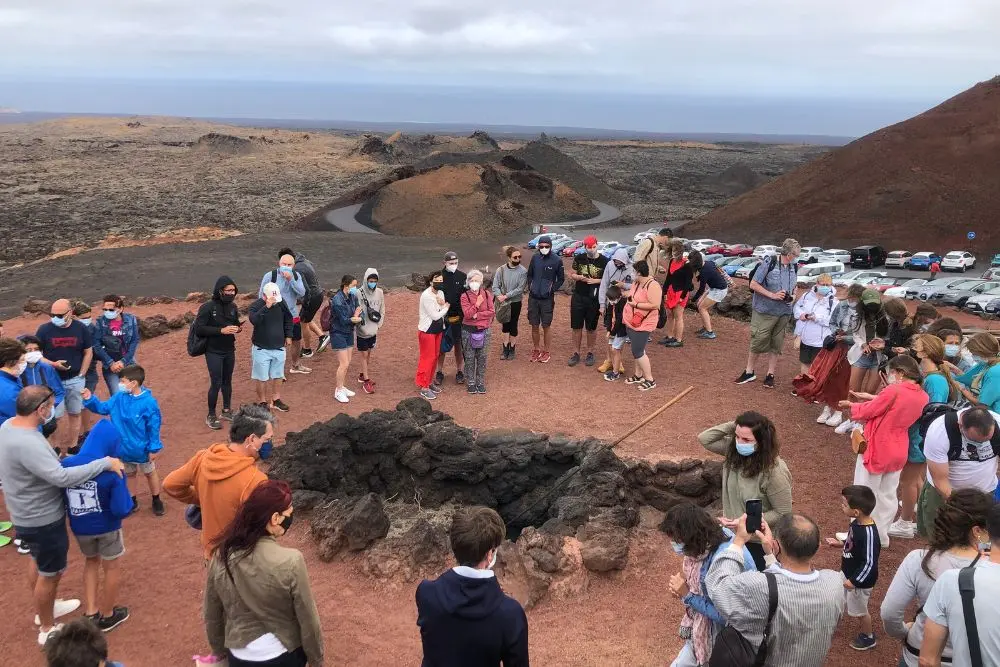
(545, 276)
(371, 300)
(10, 387)
(613, 274)
(218, 480)
(214, 316)
(108, 349)
(98, 506)
(42, 374)
(306, 269)
(467, 621)
(137, 419)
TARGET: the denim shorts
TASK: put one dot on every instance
(74, 401)
(340, 340)
(49, 546)
(867, 361)
(267, 364)
(617, 342)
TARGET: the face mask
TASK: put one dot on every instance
(52, 415)
(852, 304)
(110, 314)
(85, 322)
(33, 357)
(21, 367)
(436, 286)
(824, 290)
(474, 286)
(122, 387)
(353, 291)
(285, 271)
(265, 449)
(619, 266)
(984, 541)
(891, 378)
(286, 522)
(228, 298)
(952, 350)
(60, 321)
(592, 252)
(493, 561)
(745, 448)
(544, 251)
(677, 547)
(977, 359)
(372, 285)
(925, 327)
(515, 262)
(451, 268)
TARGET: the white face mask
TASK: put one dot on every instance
(33, 357)
(493, 561)
(20, 368)
(451, 268)
(544, 251)
(474, 286)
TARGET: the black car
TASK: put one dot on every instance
(868, 256)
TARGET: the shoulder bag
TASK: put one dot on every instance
(501, 308)
(731, 649)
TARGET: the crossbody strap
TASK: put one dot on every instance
(772, 607)
(967, 589)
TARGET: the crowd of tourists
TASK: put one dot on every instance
(918, 398)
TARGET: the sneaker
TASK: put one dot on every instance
(864, 642)
(280, 405)
(846, 427)
(903, 529)
(769, 381)
(158, 508)
(368, 387)
(510, 353)
(544, 358)
(605, 366)
(836, 419)
(61, 608)
(341, 396)
(505, 353)
(574, 359)
(21, 549)
(707, 335)
(436, 388)
(611, 376)
(213, 423)
(460, 378)
(481, 389)
(673, 342)
(666, 340)
(841, 536)
(635, 379)
(439, 378)
(307, 353)
(226, 415)
(300, 370)
(745, 377)
(535, 354)
(646, 385)
(43, 636)
(324, 340)
(589, 361)
(117, 617)
(424, 393)
(471, 389)
(701, 331)
(794, 393)
(361, 378)
(350, 394)
(823, 416)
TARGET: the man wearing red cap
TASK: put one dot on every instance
(585, 306)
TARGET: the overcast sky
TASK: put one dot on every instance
(865, 50)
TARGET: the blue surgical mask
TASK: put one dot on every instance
(85, 321)
(110, 314)
(122, 387)
(372, 285)
(824, 290)
(59, 321)
(745, 448)
(353, 291)
(976, 359)
(952, 350)
(677, 547)
(265, 449)
(285, 270)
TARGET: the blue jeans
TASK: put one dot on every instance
(110, 380)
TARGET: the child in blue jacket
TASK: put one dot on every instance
(96, 510)
(137, 415)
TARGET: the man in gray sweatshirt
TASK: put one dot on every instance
(33, 482)
(810, 602)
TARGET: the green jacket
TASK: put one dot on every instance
(773, 487)
(269, 592)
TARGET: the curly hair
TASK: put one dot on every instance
(695, 528)
(766, 455)
(964, 510)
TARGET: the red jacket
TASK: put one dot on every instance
(888, 419)
(481, 317)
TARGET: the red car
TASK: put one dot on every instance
(882, 284)
(738, 250)
(571, 248)
(717, 249)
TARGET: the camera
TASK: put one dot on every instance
(788, 298)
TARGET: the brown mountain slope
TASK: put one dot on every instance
(922, 184)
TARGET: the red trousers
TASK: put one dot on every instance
(430, 349)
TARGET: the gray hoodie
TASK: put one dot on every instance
(371, 301)
(613, 274)
(510, 282)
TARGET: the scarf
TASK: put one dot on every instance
(696, 627)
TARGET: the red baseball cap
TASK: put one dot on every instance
(590, 241)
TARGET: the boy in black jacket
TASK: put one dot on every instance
(465, 619)
(859, 563)
(617, 333)
(272, 334)
(218, 322)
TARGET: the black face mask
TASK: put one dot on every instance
(227, 298)
(286, 522)
(437, 286)
(515, 262)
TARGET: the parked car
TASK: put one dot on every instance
(958, 297)
(922, 261)
(898, 258)
(606, 248)
(763, 250)
(936, 292)
(652, 231)
(747, 270)
(559, 246)
(996, 260)
(713, 258)
(738, 250)
(868, 256)
(851, 277)
(958, 260)
(810, 255)
(533, 243)
(740, 262)
(940, 285)
(977, 304)
(568, 250)
(809, 273)
(900, 291)
(836, 255)
(701, 245)
(631, 252)
(991, 273)
(886, 283)
(992, 308)
(726, 261)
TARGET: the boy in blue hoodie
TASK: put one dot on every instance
(96, 510)
(137, 415)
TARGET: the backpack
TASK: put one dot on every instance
(197, 345)
(955, 436)
(274, 275)
(325, 317)
(731, 649)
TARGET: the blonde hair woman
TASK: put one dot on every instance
(982, 381)
(812, 314)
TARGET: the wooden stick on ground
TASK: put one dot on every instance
(653, 416)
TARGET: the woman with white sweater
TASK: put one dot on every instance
(812, 315)
(430, 329)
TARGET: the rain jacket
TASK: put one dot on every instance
(371, 300)
(43, 374)
(98, 506)
(545, 276)
(10, 387)
(216, 315)
(137, 419)
(613, 274)
(105, 351)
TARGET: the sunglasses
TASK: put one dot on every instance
(43, 400)
(544, 246)
(59, 314)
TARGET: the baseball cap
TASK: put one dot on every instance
(450, 256)
(590, 241)
(271, 290)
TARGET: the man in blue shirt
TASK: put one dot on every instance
(68, 345)
(292, 288)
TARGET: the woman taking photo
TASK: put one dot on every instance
(218, 321)
(940, 387)
(259, 609)
(887, 419)
(508, 292)
(752, 470)
(430, 329)
(477, 317)
(345, 316)
(678, 283)
(813, 312)
(982, 381)
(959, 529)
(641, 313)
(698, 537)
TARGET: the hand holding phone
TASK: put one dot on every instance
(755, 515)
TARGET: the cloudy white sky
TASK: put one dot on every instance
(892, 51)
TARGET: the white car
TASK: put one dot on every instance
(851, 277)
(652, 231)
(958, 260)
(900, 290)
(808, 274)
(764, 250)
(977, 304)
(703, 244)
(810, 252)
(898, 258)
(746, 271)
(836, 255)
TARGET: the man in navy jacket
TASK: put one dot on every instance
(464, 617)
(545, 276)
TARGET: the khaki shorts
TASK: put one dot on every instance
(767, 332)
(147, 468)
(857, 601)
(108, 546)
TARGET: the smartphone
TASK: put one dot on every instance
(755, 514)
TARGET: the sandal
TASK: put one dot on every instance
(5, 526)
(635, 379)
(4, 541)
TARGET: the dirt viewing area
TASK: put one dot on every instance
(625, 618)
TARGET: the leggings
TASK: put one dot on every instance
(515, 315)
(220, 372)
(296, 658)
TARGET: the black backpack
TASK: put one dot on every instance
(197, 345)
(955, 437)
(732, 649)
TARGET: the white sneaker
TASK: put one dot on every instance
(340, 396)
(350, 394)
(43, 637)
(836, 419)
(823, 416)
(60, 609)
(846, 427)
(903, 529)
(841, 536)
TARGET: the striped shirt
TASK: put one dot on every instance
(861, 552)
(809, 608)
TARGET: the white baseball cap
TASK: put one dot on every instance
(272, 290)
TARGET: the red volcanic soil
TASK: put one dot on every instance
(930, 180)
(629, 618)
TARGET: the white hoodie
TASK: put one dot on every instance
(814, 331)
